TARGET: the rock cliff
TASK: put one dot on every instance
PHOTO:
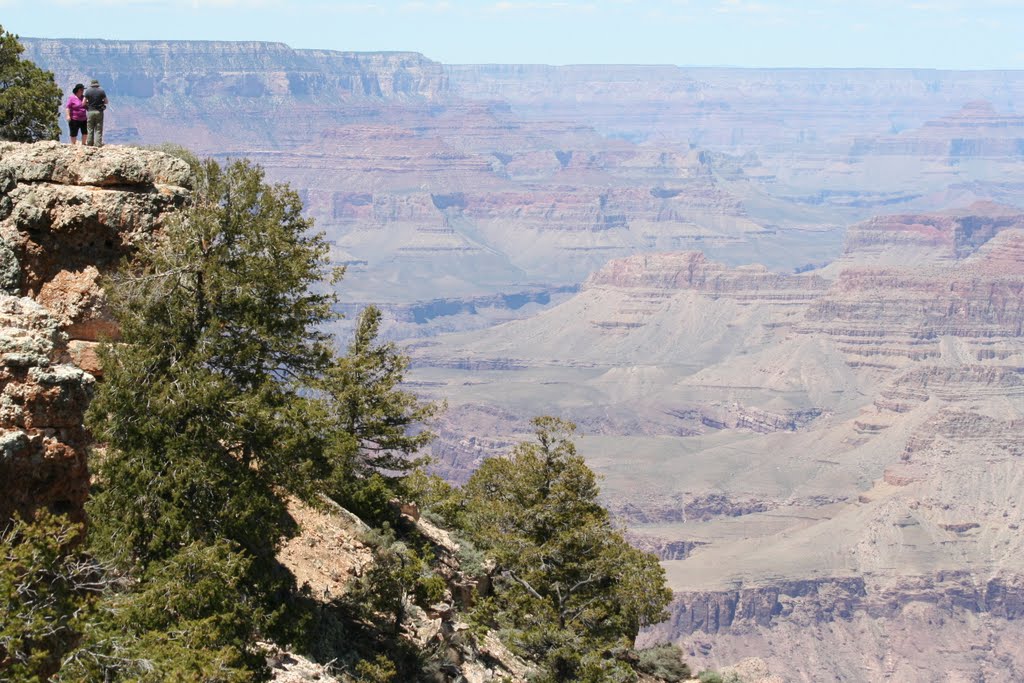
(192, 70)
(68, 216)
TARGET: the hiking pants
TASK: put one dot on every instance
(94, 123)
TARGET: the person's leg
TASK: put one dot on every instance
(99, 129)
(90, 126)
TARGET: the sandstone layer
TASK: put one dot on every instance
(68, 216)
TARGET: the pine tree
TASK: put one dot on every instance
(377, 427)
(29, 98)
(202, 407)
(223, 398)
(208, 426)
(572, 588)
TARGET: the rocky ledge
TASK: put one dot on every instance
(68, 216)
(691, 270)
(813, 601)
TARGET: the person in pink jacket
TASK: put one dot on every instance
(76, 115)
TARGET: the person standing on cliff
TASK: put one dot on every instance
(96, 102)
(76, 114)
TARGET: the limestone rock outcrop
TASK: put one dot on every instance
(68, 216)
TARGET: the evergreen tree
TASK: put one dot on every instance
(193, 617)
(29, 98)
(376, 427)
(572, 588)
(208, 424)
(201, 407)
(224, 398)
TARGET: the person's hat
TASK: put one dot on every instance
(94, 83)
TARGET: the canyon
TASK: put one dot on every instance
(785, 308)
(440, 181)
(826, 462)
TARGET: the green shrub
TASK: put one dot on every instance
(192, 617)
(665, 662)
(709, 676)
(367, 497)
(380, 670)
(380, 595)
(42, 600)
(430, 589)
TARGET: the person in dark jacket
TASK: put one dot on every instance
(96, 103)
(76, 114)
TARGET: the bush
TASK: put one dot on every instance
(438, 500)
(398, 573)
(368, 498)
(380, 670)
(664, 662)
(708, 676)
(430, 589)
(191, 617)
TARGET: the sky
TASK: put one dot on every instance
(943, 34)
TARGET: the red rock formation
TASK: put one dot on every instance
(68, 215)
(693, 271)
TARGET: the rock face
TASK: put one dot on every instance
(68, 216)
(693, 271)
(191, 70)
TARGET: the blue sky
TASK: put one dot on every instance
(949, 34)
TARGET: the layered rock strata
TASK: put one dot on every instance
(455, 181)
(852, 473)
(68, 216)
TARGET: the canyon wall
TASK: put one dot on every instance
(823, 448)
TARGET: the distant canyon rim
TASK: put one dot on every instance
(786, 308)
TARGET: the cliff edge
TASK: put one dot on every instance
(68, 216)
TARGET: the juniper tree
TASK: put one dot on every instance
(376, 426)
(223, 398)
(571, 587)
(207, 427)
(202, 408)
(46, 588)
(29, 98)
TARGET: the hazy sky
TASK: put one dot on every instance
(956, 34)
